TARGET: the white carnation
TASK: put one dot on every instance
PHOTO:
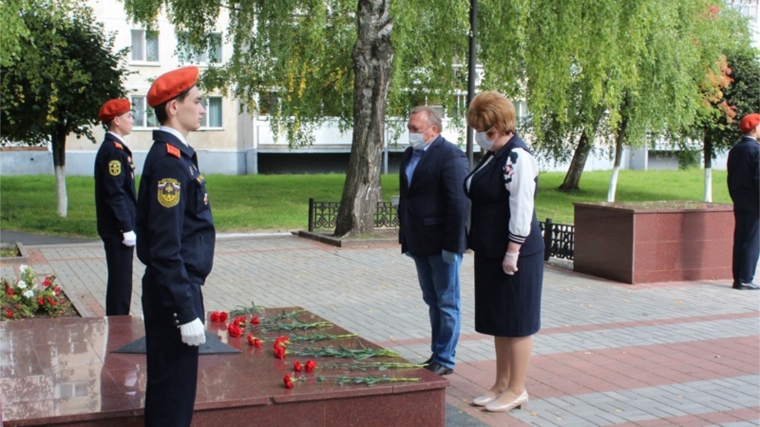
(29, 293)
(21, 284)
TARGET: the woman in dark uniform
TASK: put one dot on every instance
(506, 239)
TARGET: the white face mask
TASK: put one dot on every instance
(416, 140)
(483, 141)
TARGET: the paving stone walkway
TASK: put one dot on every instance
(609, 354)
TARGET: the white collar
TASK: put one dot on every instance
(115, 135)
(174, 132)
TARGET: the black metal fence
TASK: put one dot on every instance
(558, 242)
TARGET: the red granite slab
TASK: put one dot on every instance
(653, 241)
(62, 372)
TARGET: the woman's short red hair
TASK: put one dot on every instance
(492, 109)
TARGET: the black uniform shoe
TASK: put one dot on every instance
(439, 369)
(429, 361)
(746, 286)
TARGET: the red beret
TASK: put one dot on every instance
(167, 86)
(749, 122)
(113, 108)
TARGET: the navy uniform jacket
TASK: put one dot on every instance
(175, 230)
(489, 223)
(114, 188)
(743, 166)
(432, 212)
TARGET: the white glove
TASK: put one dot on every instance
(193, 333)
(130, 238)
(510, 263)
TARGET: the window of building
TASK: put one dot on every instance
(212, 118)
(267, 103)
(747, 8)
(144, 46)
(210, 55)
(143, 115)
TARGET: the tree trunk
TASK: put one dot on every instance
(618, 155)
(573, 177)
(708, 168)
(58, 140)
(372, 55)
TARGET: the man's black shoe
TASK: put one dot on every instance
(746, 286)
(429, 361)
(439, 369)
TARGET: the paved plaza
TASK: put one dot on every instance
(609, 354)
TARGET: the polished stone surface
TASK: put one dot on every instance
(653, 241)
(64, 371)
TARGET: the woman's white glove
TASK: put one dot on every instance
(130, 238)
(193, 333)
(510, 263)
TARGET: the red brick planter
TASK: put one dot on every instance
(639, 242)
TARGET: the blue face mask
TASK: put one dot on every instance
(483, 141)
(416, 140)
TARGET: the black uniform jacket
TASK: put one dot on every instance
(114, 188)
(744, 175)
(433, 211)
(175, 230)
(489, 223)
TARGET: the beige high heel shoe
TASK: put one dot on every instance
(521, 401)
(484, 400)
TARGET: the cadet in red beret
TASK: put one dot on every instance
(115, 201)
(744, 187)
(176, 243)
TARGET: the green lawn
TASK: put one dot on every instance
(280, 202)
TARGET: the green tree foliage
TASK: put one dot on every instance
(67, 71)
(319, 60)
(590, 70)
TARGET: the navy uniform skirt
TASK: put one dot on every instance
(508, 306)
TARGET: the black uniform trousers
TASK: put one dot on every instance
(746, 244)
(172, 365)
(119, 287)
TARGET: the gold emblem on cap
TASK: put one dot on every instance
(114, 167)
(168, 192)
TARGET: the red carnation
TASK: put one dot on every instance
(46, 282)
(253, 341)
(8, 313)
(9, 291)
(214, 316)
(240, 321)
(281, 340)
(297, 366)
(255, 321)
(40, 301)
(310, 366)
(288, 382)
(279, 352)
(234, 330)
(52, 301)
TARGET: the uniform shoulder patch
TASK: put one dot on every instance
(114, 167)
(118, 145)
(174, 151)
(168, 192)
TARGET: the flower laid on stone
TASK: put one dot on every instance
(234, 330)
(253, 341)
(254, 320)
(320, 337)
(352, 353)
(219, 316)
(240, 321)
(297, 366)
(280, 326)
(310, 366)
(241, 310)
(24, 298)
(380, 366)
(368, 380)
(288, 381)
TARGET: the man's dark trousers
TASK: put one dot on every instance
(746, 244)
(119, 288)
